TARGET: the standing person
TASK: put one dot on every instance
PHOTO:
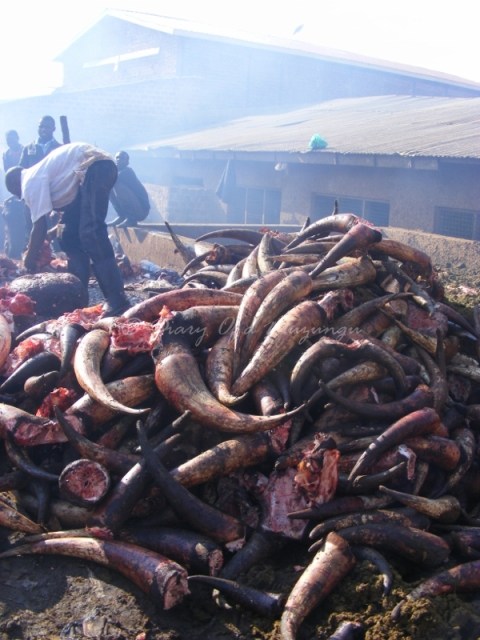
(75, 179)
(15, 219)
(16, 227)
(37, 150)
(42, 146)
(128, 196)
(11, 157)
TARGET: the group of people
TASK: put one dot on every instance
(75, 182)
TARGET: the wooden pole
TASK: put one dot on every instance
(65, 130)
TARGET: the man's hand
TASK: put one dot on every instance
(38, 235)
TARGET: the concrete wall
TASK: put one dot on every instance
(413, 194)
(157, 246)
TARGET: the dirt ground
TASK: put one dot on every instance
(60, 598)
(54, 597)
(63, 598)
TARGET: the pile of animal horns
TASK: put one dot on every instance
(304, 388)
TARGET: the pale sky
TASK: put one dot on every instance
(440, 35)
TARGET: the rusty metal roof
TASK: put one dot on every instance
(380, 125)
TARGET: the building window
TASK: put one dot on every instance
(457, 223)
(351, 205)
(378, 213)
(255, 206)
(375, 211)
(322, 206)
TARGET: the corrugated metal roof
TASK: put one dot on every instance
(187, 28)
(381, 125)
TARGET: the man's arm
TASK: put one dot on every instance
(30, 156)
(38, 235)
(23, 162)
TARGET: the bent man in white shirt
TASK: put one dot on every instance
(75, 179)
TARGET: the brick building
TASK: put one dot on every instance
(133, 78)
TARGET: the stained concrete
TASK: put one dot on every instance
(151, 243)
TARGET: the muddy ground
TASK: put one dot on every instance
(62, 598)
(53, 597)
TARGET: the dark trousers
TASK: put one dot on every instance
(83, 229)
(17, 227)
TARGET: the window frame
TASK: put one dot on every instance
(255, 206)
(441, 227)
(358, 206)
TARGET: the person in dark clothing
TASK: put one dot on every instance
(11, 157)
(15, 216)
(37, 150)
(42, 146)
(17, 227)
(75, 179)
(128, 196)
